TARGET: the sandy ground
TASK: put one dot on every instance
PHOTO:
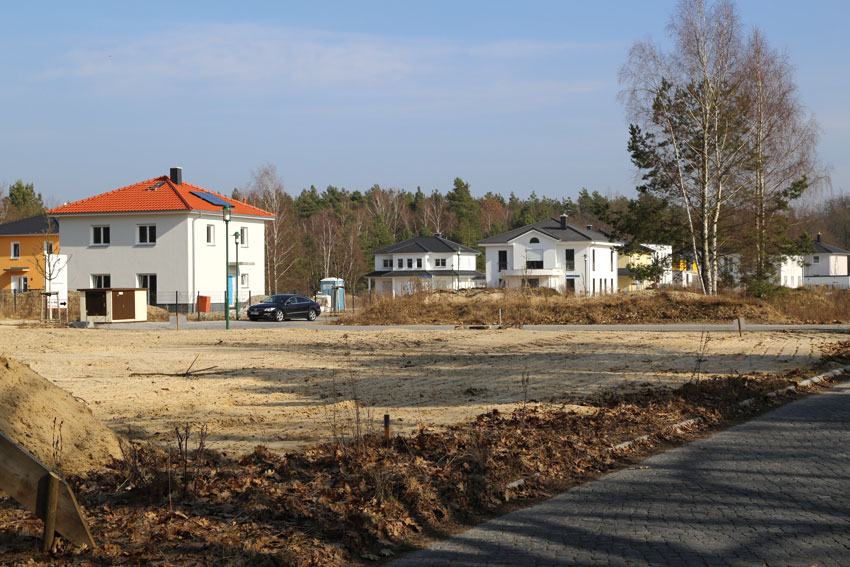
(285, 388)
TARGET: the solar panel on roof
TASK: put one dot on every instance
(211, 199)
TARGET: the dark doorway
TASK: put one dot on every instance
(149, 281)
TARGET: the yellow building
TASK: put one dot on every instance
(23, 244)
(640, 257)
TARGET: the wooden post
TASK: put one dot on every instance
(387, 436)
(51, 498)
(739, 327)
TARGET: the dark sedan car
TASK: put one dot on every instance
(283, 307)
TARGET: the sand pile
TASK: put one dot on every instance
(29, 404)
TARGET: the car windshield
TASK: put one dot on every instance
(275, 299)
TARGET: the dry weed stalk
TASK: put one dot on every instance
(57, 443)
(702, 356)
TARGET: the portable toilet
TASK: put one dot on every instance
(335, 289)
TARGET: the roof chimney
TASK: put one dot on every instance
(176, 175)
(590, 227)
(564, 221)
(818, 237)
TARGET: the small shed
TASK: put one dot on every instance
(335, 289)
(113, 305)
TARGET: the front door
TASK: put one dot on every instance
(148, 281)
(231, 288)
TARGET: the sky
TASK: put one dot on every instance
(510, 96)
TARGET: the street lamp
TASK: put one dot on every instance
(458, 269)
(236, 285)
(225, 212)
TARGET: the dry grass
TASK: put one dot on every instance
(544, 307)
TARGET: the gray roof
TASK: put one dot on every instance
(419, 244)
(552, 228)
(824, 248)
(29, 225)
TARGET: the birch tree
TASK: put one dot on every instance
(781, 149)
(687, 102)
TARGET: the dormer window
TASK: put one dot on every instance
(534, 240)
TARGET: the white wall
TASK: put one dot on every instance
(123, 258)
(602, 279)
(180, 258)
(828, 265)
(208, 276)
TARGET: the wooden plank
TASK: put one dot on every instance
(20, 475)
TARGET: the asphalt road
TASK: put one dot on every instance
(327, 323)
(773, 491)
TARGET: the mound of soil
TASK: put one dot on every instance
(50, 423)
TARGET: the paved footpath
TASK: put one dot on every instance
(773, 491)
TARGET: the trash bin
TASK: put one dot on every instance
(203, 304)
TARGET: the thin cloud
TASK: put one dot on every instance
(241, 60)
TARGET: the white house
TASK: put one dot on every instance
(552, 253)
(827, 266)
(166, 236)
(424, 263)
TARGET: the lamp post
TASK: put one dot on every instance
(236, 285)
(585, 274)
(458, 269)
(225, 212)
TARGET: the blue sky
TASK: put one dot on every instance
(515, 97)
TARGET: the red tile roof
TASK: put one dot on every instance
(146, 196)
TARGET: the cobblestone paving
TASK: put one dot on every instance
(773, 491)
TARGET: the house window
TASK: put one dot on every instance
(816, 260)
(211, 234)
(569, 259)
(388, 263)
(16, 250)
(440, 262)
(410, 263)
(593, 260)
(400, 262)
(612, 260)
(101, 280)
(243, 280)
(503, 260)
(100, 235)
(147, 234)
(419, 262)
(534, 259)
(243, 236)
(534, 240)
(48, 247)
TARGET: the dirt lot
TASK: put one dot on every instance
(288, 387)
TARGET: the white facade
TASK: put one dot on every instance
(180, 258)
(790, 272)
(536, 259)
(408, 272)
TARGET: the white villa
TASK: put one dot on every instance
(168, 237)
(552, 253)
(424, 263)
(827, 266)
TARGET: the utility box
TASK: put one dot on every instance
(335, 289)
(113, 305)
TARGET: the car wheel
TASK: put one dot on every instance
(279, 316)
(311, 315)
